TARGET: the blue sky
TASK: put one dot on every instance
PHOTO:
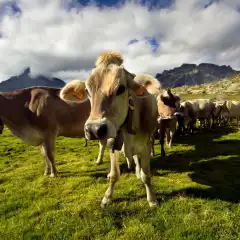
(62, 38)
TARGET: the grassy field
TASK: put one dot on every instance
(197, 185)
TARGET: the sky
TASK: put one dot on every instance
(62, 38)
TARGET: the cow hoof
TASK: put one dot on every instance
(47, 172)
(138, 175)
(153, 204)
(53, 175)
(99, 162)
(105, 201)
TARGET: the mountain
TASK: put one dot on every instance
(225, 88)
(192, 74)
(25, 80)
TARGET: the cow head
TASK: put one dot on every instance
(110, 88)
(168, 105)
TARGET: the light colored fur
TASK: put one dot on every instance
(234, 110)
(109, 57)
(202, 109)
(111, 109)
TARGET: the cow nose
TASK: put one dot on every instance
(101, 131)
(96, 131)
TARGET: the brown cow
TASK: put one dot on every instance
(38, 115)
(118, 113)
(168, 109)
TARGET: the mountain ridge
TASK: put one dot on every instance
(192, 74)
(25, 80)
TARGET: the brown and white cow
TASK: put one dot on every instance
(169, 115)
(125, 113)
(38, 115)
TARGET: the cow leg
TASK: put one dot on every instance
(162, 136)
(127, 150)
(138, 166)
(171, 133)
(209, 121)
(168, 136)
(86, 143)
(46, 161)
(48, 149)
(102, 146)
(152, 146)
(113, 176)
(146, 177)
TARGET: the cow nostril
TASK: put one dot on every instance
(89, 133)
(102, 131)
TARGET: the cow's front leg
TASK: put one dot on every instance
(172, 133)
(48, 150)
(137, 167)
(152, 139)
(127, 149)
(162, 137)
(113, 176)
(146, 177)
(102, 146)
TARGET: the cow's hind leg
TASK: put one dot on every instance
(102, 146)
(48, 149)
(146, 177)
(113, 178)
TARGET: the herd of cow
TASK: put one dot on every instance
(123, 111)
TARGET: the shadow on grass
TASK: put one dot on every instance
(212, 163)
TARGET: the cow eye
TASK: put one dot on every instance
(121, 90)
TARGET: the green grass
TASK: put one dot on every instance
(197, 185)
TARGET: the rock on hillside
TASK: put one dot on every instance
(24, 80)
(192, 74)
(227, 86)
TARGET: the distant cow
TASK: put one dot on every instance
(234, 110)
(198, 109)
(221, 112)
(168, 110)
(38, 115)
(122, 111)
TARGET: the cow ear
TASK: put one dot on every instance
(135, 87)
(141, 87)
(74, 91)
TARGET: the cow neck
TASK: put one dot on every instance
(128, 122)
(117, 143)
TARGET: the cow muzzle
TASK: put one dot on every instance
(179, 114)
(94, 131)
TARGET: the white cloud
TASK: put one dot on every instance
(65, 44)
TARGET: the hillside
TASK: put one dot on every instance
(192, 74)
(25, 80)
(228, 87)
